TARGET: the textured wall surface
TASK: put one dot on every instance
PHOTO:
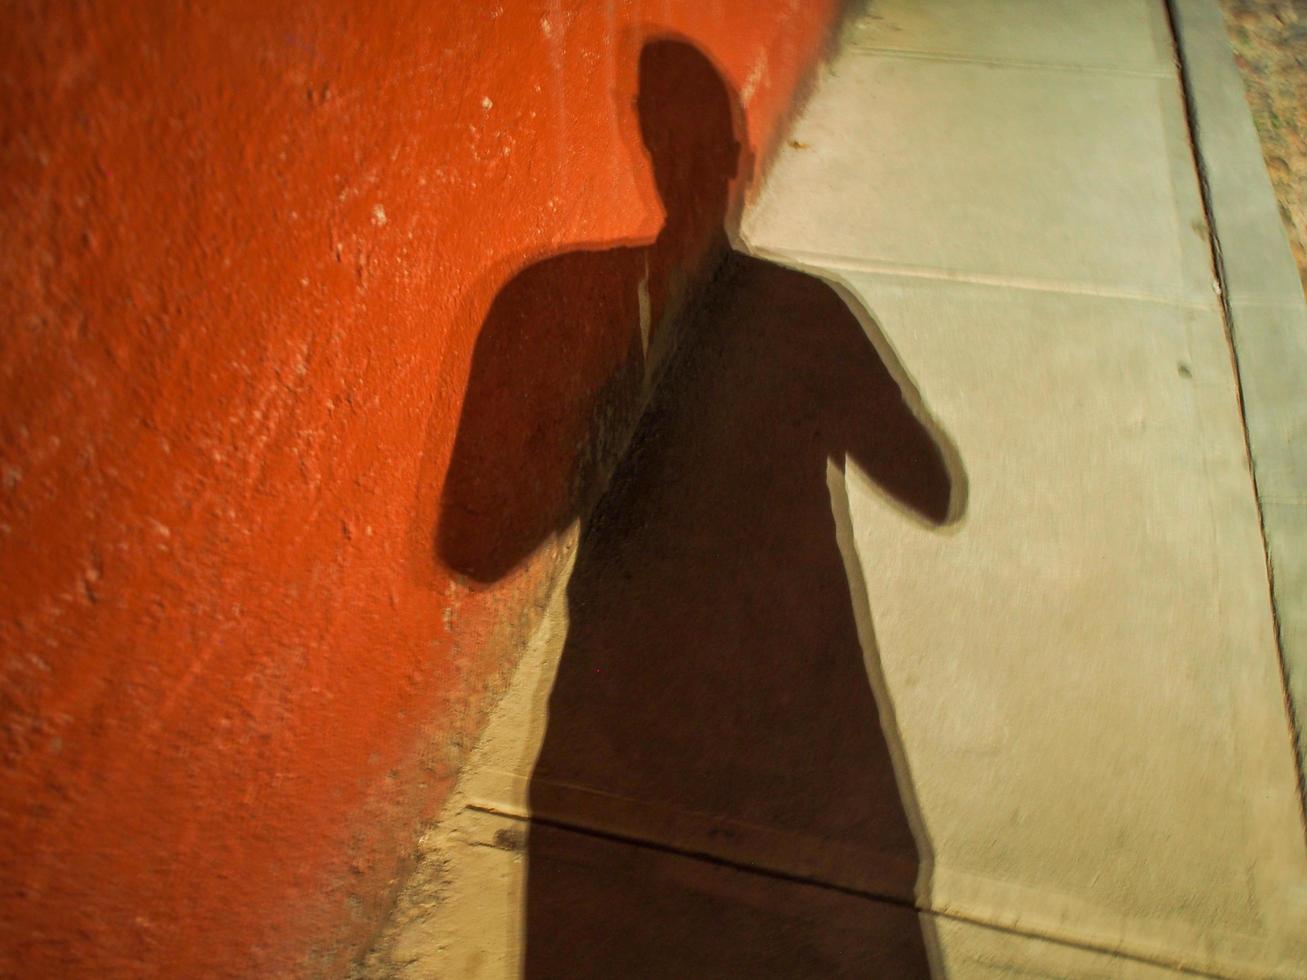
(245, 253)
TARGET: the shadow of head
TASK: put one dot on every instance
(690, 122)
(557, 370)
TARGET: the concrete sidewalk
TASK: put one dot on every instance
(1085, 675)
(1078, 678)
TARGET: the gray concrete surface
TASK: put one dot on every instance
(1268, 321)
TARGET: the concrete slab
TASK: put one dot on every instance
(1114, 614)
(1066, 179)
(1092, 647)
(1122, 35)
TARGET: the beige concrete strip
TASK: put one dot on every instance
(993, 171)
(1267, 319)
(1110, 35)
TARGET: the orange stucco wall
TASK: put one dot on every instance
(245, 252)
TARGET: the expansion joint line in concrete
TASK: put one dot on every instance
(818, 260)
(780, 874)
(1194, 126)
(1007, 63)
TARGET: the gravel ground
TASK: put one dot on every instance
(1270, 46)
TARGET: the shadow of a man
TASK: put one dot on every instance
(716, 794)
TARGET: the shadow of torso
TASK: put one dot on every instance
(715, 795)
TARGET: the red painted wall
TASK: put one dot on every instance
(245, 252)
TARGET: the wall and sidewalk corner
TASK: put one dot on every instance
(1088, 705)
(244, 255)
